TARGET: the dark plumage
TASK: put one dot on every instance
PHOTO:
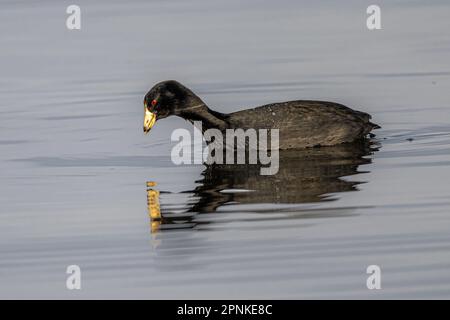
(302, 123)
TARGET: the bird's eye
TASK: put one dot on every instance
(154, 102)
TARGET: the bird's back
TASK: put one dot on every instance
(305, 123)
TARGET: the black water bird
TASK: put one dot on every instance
(301, 123)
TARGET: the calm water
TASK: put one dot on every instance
(79, 179)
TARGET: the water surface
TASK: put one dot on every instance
(79, 180)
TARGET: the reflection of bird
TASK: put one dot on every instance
(302, 123)
(304, 176)
(153, 208)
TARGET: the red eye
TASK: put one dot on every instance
(154, 102)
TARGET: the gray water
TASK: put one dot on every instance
(75, 167)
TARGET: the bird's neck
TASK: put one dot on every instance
(210, 119)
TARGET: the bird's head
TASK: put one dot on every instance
(165, 99)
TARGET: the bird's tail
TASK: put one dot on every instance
(374, 126)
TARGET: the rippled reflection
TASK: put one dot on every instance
(304, 176)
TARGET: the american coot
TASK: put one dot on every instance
(302, 123)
